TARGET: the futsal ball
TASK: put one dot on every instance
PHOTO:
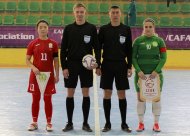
(88, 61)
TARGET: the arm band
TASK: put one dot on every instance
(55, 54)
(163, 49)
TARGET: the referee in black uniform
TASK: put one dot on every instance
(116, 41)
(79, 39)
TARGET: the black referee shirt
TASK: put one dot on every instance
(116, 42)
(78, 41)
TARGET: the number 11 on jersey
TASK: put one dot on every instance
(44, 56)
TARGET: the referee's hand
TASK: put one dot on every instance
(66, 73)
(129, 72)
(98, 72)
(93, 66)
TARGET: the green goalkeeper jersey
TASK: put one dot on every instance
(149, 54)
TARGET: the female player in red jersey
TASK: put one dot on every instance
(45, 59)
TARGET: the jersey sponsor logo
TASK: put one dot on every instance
(154, 44)
(142, 43)
(37, 44)
(122, 39)
(50, 45)
(87, 38)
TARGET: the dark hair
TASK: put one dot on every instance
(42, 21)
(114, 7)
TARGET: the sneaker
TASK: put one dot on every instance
(86, 128)
(68, 127)
(33, 126)
(126, 128)
(49, 127)
(156, 127)
(107, 127)
(140, 127)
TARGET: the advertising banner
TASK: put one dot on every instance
(20, 36)
(175, 38)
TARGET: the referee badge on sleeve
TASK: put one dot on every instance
(122, 39)
(87, 38)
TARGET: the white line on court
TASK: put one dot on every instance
(96, 108)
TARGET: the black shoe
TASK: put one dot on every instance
(125, 128)
(107, 127)
(68, 127)
(86, 128)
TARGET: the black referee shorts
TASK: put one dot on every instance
(114, 70)
(77, 70)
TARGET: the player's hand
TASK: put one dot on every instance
(141, 75)
(66, 73)
(56, 79)
(129, 72)
(36, 71)
(98, 72)
(153, 74)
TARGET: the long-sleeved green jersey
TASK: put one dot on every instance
(149, 54)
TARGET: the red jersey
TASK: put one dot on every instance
(42, 52)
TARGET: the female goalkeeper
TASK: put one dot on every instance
(149, 57)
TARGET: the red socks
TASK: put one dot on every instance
(36, 106)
